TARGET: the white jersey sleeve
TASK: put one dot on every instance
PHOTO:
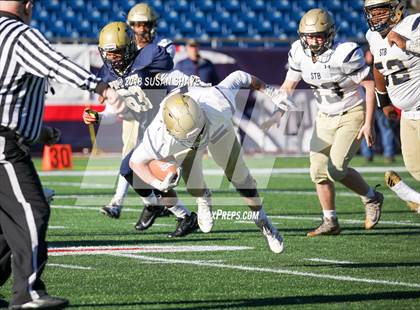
(354, 65)
(233, 83)
(295, 72)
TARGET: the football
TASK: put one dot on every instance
(161, 168)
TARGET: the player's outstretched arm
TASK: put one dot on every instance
(285, 90)
(367, 130)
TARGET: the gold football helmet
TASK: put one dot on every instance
(116, 46)
(185, 120)
(317, 22)
(383, 15)
(143, 13)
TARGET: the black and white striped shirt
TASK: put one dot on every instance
(27, 60)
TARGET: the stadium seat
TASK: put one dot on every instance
(333, 5)
(104, 5)
(265, 28)
(239, 28)
(250, 18)
(309, 4)
(77, 5)
(70, 17)
(257, 5)
(214, 18)
(52, 5)
(181, 6)
(187, 28)
(213, 28)
(205, 5)
(224, 17)
(282, 5)
(232, 5)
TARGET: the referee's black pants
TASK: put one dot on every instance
(24, 215)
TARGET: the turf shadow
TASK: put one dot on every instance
(261, 302)
(367, 265)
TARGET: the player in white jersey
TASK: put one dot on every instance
(394, 41)
(142, 19)
(336, 72)
(194, 118)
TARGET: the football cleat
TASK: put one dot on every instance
(185, 226)
(329, 226)
(415, 207)
(205, 217)
(274, 239)
(373, 208)
(44, 302)
(148, 217)
(392, 178)
(113, 209)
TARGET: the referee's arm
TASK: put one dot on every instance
(37, 56)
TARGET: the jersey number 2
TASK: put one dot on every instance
(398, 77)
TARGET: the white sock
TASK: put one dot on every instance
(122, 189)
(329, 214)
(405, 192)
(150, 200)
(179, 210)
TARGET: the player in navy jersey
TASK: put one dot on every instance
(141, 76)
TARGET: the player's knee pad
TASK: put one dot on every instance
(336, 173)
(247, 188)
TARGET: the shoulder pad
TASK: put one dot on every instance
(145, 56)
(345, 51)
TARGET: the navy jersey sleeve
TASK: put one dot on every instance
(105, 74)
(155, 58)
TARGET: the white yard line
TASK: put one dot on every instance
(56, 227)
(124, 249)
(330, 261)
(219, 172)
(269, 270)
(69, 266)
(78, 184)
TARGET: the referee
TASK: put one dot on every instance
(27, 61)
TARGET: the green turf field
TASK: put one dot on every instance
(231, 267)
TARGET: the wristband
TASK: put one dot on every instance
(382, 99)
